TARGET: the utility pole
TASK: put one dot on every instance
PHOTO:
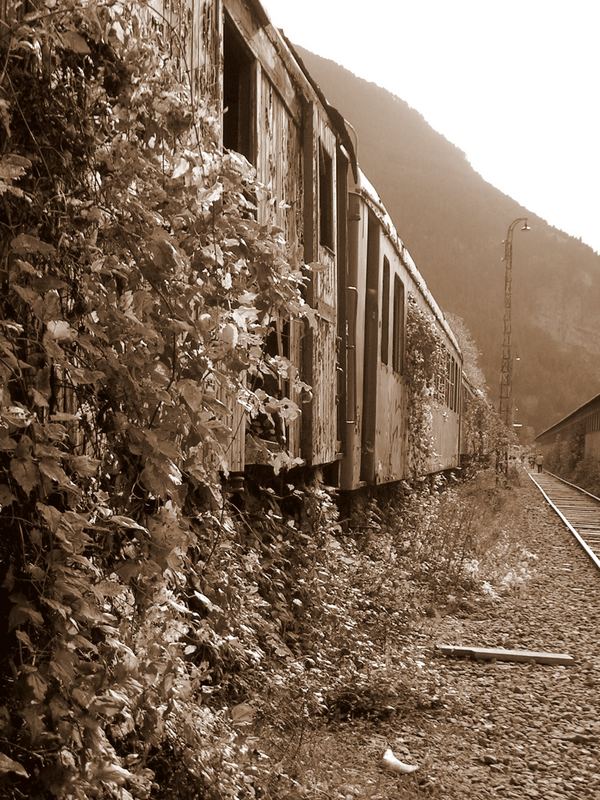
(506, 372)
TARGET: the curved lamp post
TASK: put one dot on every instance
(507, 361)
(506, 372)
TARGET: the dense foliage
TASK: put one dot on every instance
(138, 290)
(149, 617)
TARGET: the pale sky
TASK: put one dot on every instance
(515, 84)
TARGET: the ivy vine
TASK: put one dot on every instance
(425, 363)
(138, 290)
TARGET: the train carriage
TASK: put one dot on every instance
(273, 113)
(381, 276)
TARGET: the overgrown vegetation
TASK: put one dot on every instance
(137, 293)
(416, 553)
(162, 638)
(425, 363)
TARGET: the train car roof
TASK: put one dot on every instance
(365, 188)
(304, 80)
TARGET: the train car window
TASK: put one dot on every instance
(325, 199)
(398, 326)
(385, 312)
(440, 383)
(447, 381)
(456, 386)
(238, 93)
(453, 387)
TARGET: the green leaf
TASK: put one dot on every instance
(22, 612)
(84, 465)
(25, 472)
(9, 765)
(6, 496)
(52, 516)
(73, 41)
(52, 469)
(37, 684)
(127, 522)
(242, 713)
(24, 243)
(13, 166)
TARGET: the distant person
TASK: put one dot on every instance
(539, 460)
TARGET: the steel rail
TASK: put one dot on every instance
(590, 552)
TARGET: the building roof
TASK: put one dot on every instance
(587, 406)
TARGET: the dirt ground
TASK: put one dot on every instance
(482, 729)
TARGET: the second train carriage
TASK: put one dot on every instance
(381, 276)
(275, 115)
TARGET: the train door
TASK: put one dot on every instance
(342, 311)
(320, 435)
(371, 354)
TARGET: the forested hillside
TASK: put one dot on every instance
(454, 223)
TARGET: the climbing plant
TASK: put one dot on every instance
(138, 289)
(425, 365)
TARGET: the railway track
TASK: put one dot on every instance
(578, 509)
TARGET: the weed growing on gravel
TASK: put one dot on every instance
(416, 551)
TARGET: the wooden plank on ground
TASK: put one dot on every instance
(501, 654)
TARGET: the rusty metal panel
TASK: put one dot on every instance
(390, 461)
(357, 258)
(445, 433)
(390, 447)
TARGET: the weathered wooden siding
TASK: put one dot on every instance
(194, 29)
(445, 426)
(391, 439)
(279, 163)
(320, 439)
(279, 168)
(271, 61)
(355, 303)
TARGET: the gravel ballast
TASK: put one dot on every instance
(521, 730)
(495, 729)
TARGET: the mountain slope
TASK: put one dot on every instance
(454, 223)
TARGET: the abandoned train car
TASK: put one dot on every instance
(381, 275)
(273, 113)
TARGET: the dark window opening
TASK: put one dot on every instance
(398, 331)
(385, 312)
(271, 427)
(447, 393)
(441, 378)
(452, 383)
(237, 93)
(325, 199)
